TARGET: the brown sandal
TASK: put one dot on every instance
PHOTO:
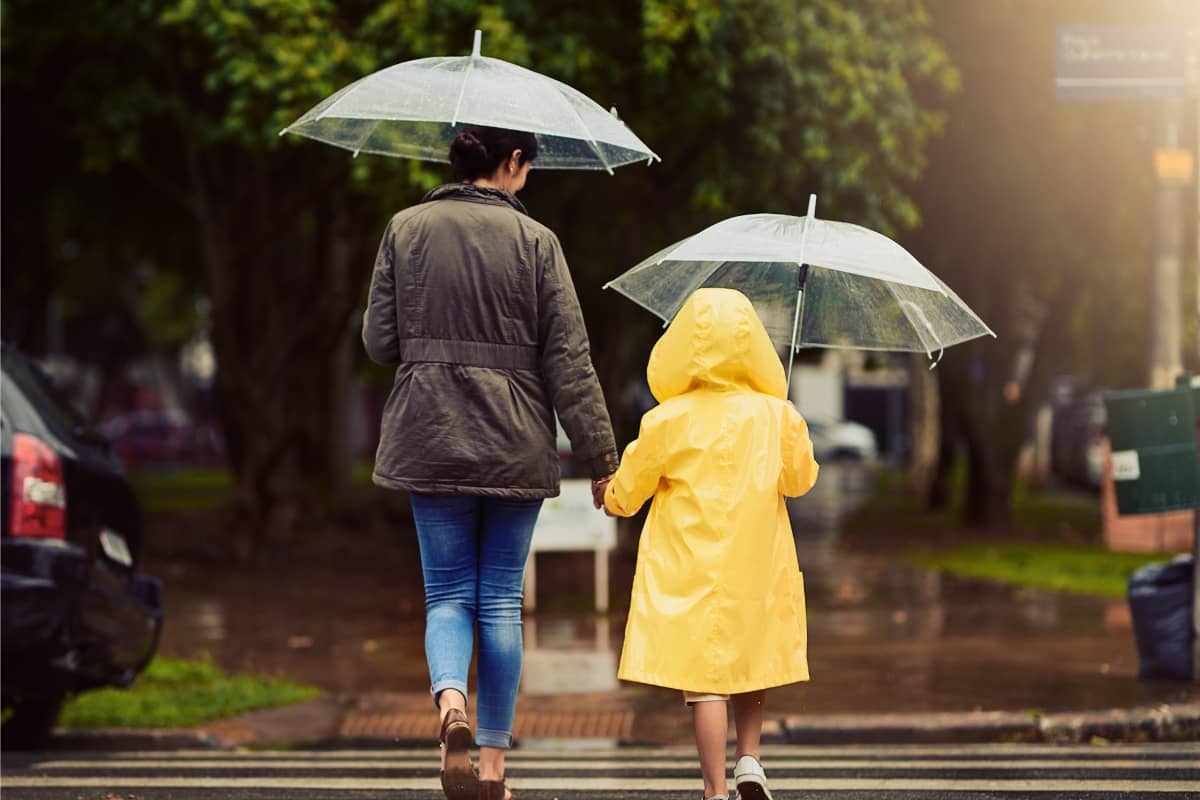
(492, 790)
(460, 781)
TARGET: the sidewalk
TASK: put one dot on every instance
(402, 720)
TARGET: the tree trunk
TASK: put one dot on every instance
(987, 504)
(995, 432)
(924, 425)
(941, 482)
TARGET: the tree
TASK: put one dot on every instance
(170, 109)
(1037, 212)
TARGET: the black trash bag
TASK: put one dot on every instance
(1160, 601)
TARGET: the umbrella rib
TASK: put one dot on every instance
(950, 293)
(636, 300)
(588, 133)
(462, 90)
(349, 91)
(904, 304)
(700, 285)
(363, 141)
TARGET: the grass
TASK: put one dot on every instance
(1050, 544)
(174, 693)
(1052, 511)
(1079, 569)
(893, 509)
(185, 489)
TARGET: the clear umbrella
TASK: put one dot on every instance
(813, 282)
(416, 108)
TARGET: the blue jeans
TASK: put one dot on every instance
(473, 553)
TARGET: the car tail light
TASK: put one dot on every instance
(39, 496)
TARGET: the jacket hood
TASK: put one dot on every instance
(716, 341)
(475, 194)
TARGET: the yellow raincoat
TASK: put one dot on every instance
(718, 598)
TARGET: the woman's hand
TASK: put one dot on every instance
(599, 487)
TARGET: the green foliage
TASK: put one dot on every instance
(776, 99)
(163, 118)
(754, 102)
(174, 693)
(1076, 569)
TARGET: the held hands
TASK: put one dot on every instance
(599, 486)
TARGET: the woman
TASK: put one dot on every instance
(472, 300)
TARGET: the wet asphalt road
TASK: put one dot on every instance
(883, 636)
(972, 772)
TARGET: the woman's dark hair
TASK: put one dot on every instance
(478, 150)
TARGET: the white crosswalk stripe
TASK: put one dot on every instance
(903, 772)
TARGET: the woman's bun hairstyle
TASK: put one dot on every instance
(478, 150)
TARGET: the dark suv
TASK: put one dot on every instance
(76, 614)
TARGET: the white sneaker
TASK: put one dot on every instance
(751, 780)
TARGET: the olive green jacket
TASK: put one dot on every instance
(472, 301)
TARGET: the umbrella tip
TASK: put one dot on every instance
(475, 46)
(812, 206)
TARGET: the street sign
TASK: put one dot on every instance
(1105, 63)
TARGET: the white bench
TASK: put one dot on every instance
(570, 522)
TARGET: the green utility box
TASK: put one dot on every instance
(1153, 436)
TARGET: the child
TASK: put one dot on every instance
(718, 600)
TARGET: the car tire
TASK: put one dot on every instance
(28, 722)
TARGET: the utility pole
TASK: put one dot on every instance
(1166, 312)
(1195, 71)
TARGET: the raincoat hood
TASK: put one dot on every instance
(715, 341)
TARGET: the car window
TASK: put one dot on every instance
(36, 385)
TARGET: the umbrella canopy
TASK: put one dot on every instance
(416, 108)
(813, 282)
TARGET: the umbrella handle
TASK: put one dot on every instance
(812, 213)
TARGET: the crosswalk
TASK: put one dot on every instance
(967, 772)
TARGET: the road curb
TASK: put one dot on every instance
(1162, 723)
(931, 728)
(1158, 724)
(105, 739)
(317, 724)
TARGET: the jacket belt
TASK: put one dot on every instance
(470, 354)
